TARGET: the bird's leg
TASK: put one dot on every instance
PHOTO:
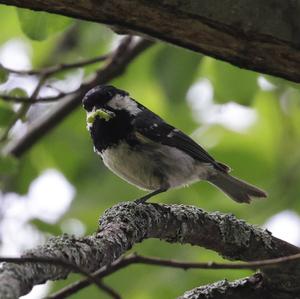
(143, 199)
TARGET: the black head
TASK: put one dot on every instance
(100, 95)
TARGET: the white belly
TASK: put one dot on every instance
(144, 169)
(131, 166)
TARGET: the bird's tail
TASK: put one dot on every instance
(236, 189)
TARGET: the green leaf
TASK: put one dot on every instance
(27, 172)
(6, 113)
(176, 69)
(230, 83)
(39, 25)
(18, 92)
(3, 75)
(8, 168)
(8, 165)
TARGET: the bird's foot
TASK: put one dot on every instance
(143, 199)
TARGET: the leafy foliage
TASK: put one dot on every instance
(39, 25)
(8, 165)
(230, 83)
(6, 113)
(3, 75)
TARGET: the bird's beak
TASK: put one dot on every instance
(101, 112)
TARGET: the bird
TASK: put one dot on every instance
(147, 152)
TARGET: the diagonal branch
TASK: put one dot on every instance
(109, 291)
(24, 107)
(59, 262)
(128, 223)
(116, 65)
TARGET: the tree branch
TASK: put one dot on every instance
(250, 288)
(49, 71)
(128, 223)
(251, 34)
(111, 292)
(28, 100)
(253, 287)
(53, 261)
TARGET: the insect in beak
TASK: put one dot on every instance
(101, 112)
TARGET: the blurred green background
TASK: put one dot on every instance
(245, 119)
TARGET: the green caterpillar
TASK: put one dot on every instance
(101, 113)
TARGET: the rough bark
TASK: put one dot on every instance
(128, 223)
(250, 288)
(258, 35)
(253, 287)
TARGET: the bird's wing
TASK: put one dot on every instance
(154, 128)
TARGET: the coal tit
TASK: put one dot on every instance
(141, 148)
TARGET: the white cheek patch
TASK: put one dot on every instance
(89, 127)
(124, 103)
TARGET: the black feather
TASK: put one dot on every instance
(109, 133)
(153, 127)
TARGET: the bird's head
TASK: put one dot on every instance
(106, 101)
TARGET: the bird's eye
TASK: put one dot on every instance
(98, 97)
(104, 97)
(108, 95)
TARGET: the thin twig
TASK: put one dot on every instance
(107, 289)
(138, 259)
(54, 261)
(24, 108)
(50, 99)
(56, 68)
(102, 272)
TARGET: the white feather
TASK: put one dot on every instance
(119, 102)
